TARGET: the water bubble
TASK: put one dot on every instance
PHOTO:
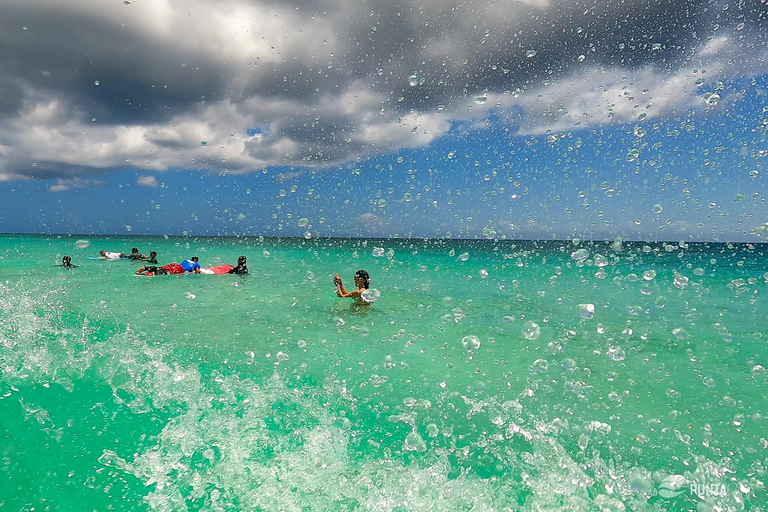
(581, 58)
(483, 273)
(753, 173)
(699, 82)
(96, 82)
(540, 366)
(709, 382)
(531, 330)
(633, 155)
(481, 100)
(471, 342)
(648, 275)
(82, 244)
(530, 54)
(639, 131)
(712, 99)
(203, 143)
(671, 393)
(413, 80)
(464, 256)
(377, 381)
(381, 203)
(568, 364)
(303, 222)
(378, 252)
(128, 227)
(600, 260)
(679, 333)
(657, 209)
(307, 235)
(190, 295)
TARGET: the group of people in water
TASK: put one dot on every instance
(362, 279)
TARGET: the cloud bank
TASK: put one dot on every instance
(88, 87)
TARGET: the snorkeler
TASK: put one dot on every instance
(66, 262)
(136, 256)
(191, 265)
(152, 258)
(362, 281)
(240, 268)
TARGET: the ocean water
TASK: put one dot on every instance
(487, 376)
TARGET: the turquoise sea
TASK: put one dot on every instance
(488, 376)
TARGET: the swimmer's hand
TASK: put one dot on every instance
(337, 280)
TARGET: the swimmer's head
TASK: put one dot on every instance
(135, 250)
(66, 260)
(153, 254)
(102, 253)
(241, 260)
(195, 259)
(364, 277)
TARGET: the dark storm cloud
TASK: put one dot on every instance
(166, 84)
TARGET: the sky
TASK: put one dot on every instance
(528, 119)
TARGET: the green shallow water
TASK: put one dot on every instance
(488, 376)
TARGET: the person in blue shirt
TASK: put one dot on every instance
(191, 265)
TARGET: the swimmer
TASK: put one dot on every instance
(191, 265)
(362, 281)
(66, 262)
(152, 258)
(240, 268)
(136, 256)
(171, 268)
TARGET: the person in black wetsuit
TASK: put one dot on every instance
(136, 256)
(152, 258)
(240, 268)
(66, 262)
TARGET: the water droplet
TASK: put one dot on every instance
(680, 333)
(377, 252)
(616, 353)
(307, 235)
(82, 244)
(303, 222)
(414, 443)
(413, 80)
(712, 99)
(753, 173)
(580, 255)
(203, 143)
(632, 155)
(582, 57)
(657, 209)
(648, 275)
(699, 82)
(639, 131)
(530, 54)
(464, 256)
(540, 366)
(709, 382)
(531, 330)
(481, 100)
(587, 311)
(370, 295)
(128, 228)
(190, 295)
(483, 273)
(470, 342)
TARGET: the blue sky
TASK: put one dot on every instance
(342, 119)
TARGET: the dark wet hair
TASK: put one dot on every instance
(195, 259)
(66, 259)
(241, 260)
(134, 250)
(153, 253)
(362, 274)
